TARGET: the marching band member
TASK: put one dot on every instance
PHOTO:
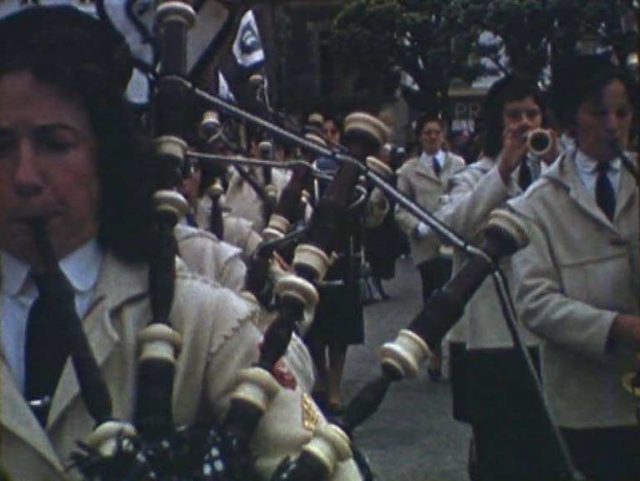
(423, 179)
(488, 391)
(226, 264)
(68, 157)
(339, 317)
(577, 281)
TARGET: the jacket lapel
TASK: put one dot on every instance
(98, 325)
(16, 416)
(566, 172)
(102, 338)
(426, 171)
(447, 166)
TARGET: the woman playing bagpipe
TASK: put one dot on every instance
(75, 213)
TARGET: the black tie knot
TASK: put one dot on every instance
(40, 280)
(436, 165)
(525, 176)
(603, 167)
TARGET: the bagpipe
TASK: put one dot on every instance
(152, 447)
(504, 234)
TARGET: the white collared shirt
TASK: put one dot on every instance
(440, 157)
(18, 292)
(588, 171)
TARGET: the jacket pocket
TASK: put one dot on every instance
(603, 281)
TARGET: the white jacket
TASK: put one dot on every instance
(472, 195)
(578, 272)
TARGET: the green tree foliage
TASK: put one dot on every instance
(377, 39)
(433, 40)
(537, 33)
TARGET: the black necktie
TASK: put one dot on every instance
(605, 196)
(524, 175)
(436, 166)
(46, 351)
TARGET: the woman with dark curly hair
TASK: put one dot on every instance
(69, 159)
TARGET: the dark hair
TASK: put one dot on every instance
(582, 79)
(424, 119)
(508, 89)
(84, 59)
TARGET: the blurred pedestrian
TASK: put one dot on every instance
(423, 179)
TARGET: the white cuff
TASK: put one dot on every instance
(422, 230)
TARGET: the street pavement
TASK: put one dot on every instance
(412, 437)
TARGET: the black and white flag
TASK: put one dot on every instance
(223, 89)
(247, 46)
(245, 58)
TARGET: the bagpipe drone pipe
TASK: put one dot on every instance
(296, 292)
